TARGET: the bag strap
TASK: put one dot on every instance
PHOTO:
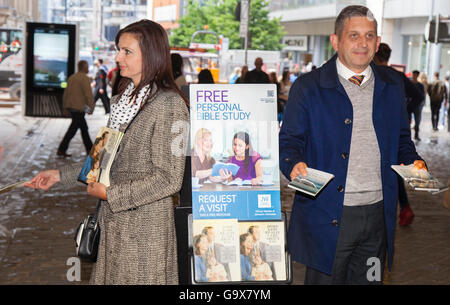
(94, 218)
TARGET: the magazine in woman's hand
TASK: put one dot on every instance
(98, 163)
(419, 179)
(311, 184)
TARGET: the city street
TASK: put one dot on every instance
(37, 228)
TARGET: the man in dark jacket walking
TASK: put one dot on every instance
(100, 86)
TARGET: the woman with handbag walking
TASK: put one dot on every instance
(136, 216)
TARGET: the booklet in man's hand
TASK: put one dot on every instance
(98, 163)
(419, 179)
(311, 184)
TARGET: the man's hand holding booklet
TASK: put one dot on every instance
(419, 179)
(308, 180)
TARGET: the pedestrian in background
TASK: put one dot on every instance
(244, 71)
(347, 118)
(100, 91)
(412, 101)
(234, 76)
(285, 85)
(205, 77)
(438, 93)
(177, 70)
(444, 107)
(418, 111)
(280, 103)
(136, 217)
(77, 100)
(257, 75)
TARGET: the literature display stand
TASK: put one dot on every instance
(230, 228)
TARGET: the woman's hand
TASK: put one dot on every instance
(257, 181)
(97, 190)
(44, 180)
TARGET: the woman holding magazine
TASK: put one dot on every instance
(137, 242)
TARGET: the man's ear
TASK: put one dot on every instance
(378, 43)
(334, 39)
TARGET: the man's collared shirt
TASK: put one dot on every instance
(346, 73)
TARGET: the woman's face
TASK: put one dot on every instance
(207, 143)
(239, 147)
(203, 244)
(248, 243)
(129, 57)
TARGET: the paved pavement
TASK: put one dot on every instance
(37, 228)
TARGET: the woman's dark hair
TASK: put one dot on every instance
(242, 135)
(205, 77)
(242, 239)
(156, 61)
(95, 159)
(118, 78)
(285, 76)
(177, 65)
(197, 239)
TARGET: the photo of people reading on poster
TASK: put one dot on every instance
(248, 160)
(202, 161)
(262, 251)
(215, 250)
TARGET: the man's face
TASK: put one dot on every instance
(357, 44)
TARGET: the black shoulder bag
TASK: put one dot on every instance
(87, 237)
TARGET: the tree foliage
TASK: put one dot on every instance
(219, 16)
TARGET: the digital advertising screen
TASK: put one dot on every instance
(50, 58)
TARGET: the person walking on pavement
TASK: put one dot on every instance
(445, 105)
(136, 217)
(438, 93)
(413, 100)
(418, 111)
(241, 78)
(100, 91)
(347, 118)
(257, 75)
(77, 99)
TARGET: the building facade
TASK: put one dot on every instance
(14, 13)
(98, 20)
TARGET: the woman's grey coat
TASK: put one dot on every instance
(138, 243)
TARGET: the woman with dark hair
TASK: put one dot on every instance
(177, 70)
(248, 160)
(205, 77)
(136, 217)
(246, 247)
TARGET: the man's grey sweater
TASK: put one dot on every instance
(363, 184)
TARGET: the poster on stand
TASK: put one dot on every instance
(234, 153)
